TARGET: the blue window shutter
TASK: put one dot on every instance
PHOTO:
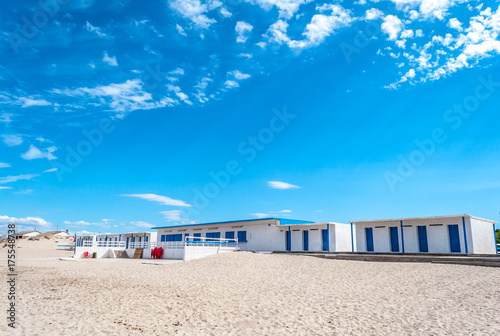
(230, 235)
(242, 236)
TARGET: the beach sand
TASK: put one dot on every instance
(243, 293)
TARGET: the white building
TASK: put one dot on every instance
(440, 234)
(268, 234)
(105, 245)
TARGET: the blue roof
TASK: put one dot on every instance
(283, 221)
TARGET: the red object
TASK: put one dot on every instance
(153, 253)
(86, 255)
(160, 252)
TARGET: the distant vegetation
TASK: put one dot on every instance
(498, 235)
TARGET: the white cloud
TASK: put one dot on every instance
(50, 170)
(160, 199)
(6, 117)
(93, 29)
(182, 96)
(455, 24)
(281, 185)
(77, 223)
(180, 30)
(123, 97)
(261, 215)
(12, 139)
(31, 221)
(195, 11)
(238, 75)
(242, 28)
(172, 215)
(177, 71)
(34, 153)
(110, 60)
(373, 14)
(27, 102)
(286, 8)
(231, 84)
(4, 165)
(10, 179)
(225, 13)
(141, 224)
(5, 188)
(320, 27)
(392, 26)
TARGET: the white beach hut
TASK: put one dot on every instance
(439, 234)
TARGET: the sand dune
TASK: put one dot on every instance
(243, 293)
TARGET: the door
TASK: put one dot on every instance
(369, 239)
(306, 240)
(454, 238)
(127, 242)
(423, 246)
(288, 240)
(394, 239)
(326, 241)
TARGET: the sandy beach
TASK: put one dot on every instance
(243, 293)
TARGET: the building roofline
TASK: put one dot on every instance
(283, 221)
(418, 218)
(312, 224)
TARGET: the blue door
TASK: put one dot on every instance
(288, 240)
(422, 239)
(454, 238)
(326, 240)
(394, 239)
(127, 242)
(306, 240)
(369, 239)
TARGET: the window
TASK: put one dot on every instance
(174, 237)
(196, 235)
(213, 235)
(162, 238)
(242, 236)
(229, 235)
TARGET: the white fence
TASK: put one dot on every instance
(190, 248)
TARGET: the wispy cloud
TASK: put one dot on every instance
(94, 29)
(2, 187)
(281, 185)
(110, 60)
(122, 97)
(12, 139)
(34, 153)
(50, 170)
(4, 165)
(10, 179)
(27, 102)
(141, 224)
(31, 221)
(160, 199)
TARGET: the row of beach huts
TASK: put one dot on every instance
(460, 234)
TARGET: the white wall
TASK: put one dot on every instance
(479, 235)
(342, 237)
(483, 237)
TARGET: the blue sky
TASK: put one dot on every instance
(118, 116)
